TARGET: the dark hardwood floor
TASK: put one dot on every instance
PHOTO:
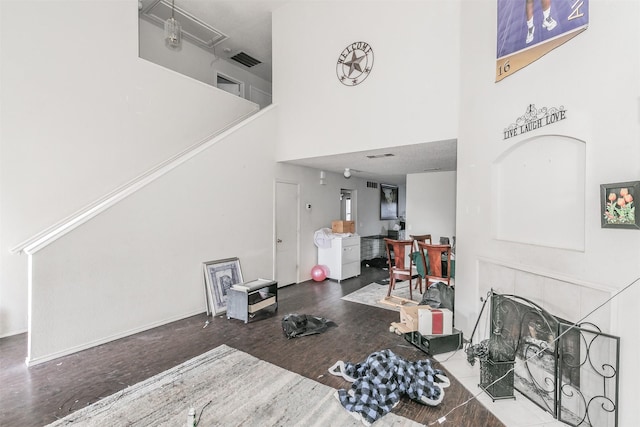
(41, 394)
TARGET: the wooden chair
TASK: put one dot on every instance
(434, 256)
(424, 238)
(417, 261)
(399, 268)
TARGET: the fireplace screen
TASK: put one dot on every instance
(559, 367)
(595, 401)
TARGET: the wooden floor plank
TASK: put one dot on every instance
(43, 393)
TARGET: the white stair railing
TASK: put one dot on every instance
(50, 234)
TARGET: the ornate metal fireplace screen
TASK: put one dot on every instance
(569, 371)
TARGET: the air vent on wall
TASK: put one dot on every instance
(371, 184)
(246, 60)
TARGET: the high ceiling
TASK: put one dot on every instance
(245, 23)
(228, 27)
(389, 165)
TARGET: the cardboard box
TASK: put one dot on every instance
(409, 315)
(343, 226)
(436, 321)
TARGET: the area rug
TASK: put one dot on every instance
(374, 292)
(227, 387)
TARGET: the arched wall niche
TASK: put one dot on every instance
(539, 193)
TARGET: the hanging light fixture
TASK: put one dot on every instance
(347, 173)
(172, 30)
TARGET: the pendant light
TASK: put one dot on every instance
(172, 31)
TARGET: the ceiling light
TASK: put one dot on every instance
(172, 31)
(347, 173)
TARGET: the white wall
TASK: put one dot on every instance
(139, 264)
(193, 61)
(431, 204)
(369, 222)
(602, 110)
(81, 115)
(410, 96)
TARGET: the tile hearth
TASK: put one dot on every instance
(518, 412)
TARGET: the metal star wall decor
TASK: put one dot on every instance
(354, 63)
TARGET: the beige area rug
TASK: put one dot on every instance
(374, 292)
(243, 391)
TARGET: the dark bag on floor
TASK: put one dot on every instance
(439, 295)
(298, 325)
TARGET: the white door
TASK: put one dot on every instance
(286, 233)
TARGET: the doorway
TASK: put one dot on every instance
(286, 232)
(347, 204)
(229, 84)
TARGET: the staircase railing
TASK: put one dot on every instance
(52, 233)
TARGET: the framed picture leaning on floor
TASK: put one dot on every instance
(219, 276)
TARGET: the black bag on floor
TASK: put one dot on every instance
(298, 325)
(439, 295)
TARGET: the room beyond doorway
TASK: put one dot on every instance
(348, 204)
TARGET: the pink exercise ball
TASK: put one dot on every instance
(318, 273)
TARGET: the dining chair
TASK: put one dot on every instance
(417, 260)
(434, 256)
(399, 267)
(424, 238)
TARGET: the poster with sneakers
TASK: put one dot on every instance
(529, 29)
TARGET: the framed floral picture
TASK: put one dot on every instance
(618, 205)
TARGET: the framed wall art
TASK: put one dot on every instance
(219, 276)
(618, 205)
(527, 31)
(388, 201)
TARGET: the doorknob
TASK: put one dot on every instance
(279, 240)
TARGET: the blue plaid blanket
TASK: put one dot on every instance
(380, 381)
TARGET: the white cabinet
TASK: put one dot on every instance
(342, 258)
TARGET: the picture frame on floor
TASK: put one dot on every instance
(219, 276)
(618, 205)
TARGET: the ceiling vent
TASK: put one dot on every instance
(193, 29)
(246, 60)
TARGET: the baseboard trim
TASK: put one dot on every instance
(47, 358)
(12, 333)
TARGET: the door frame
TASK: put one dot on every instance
(231, 79)
(354, 205)
(275, 221)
